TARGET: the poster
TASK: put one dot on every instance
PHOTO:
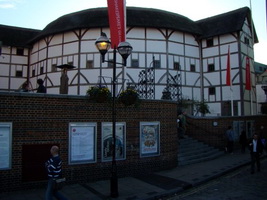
(149, 139)
(5, 145)
(82, 143)
(107, 141)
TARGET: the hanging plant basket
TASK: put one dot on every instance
(99, 94)
(129, 97)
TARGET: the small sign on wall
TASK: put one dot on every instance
(5, 145)
(82, 143)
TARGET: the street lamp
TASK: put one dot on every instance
(125, 49)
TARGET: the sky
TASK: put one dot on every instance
(36, 14)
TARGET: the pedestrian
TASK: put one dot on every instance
(256, 148)
(182, 124)
(53, 166)
(24, 87)
(41, 88)
(243, 141)
(230, 139)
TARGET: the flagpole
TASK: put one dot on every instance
(229, 80)
(252, 35)
(232, 101)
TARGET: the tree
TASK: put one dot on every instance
(202, 107)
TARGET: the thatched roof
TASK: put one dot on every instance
(225, 23)
(15, 36)
(136, 17)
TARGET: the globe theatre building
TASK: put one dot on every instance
(173, 57)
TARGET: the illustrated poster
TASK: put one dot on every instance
(149, 138)
(107, 139)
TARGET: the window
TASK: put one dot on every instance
(33, 72)
(20, 51)
(246, 40)
(41, 70)
(156, 64)
(110, 63)
(18, 73)
(211, 68)
(176, 66)
(210, 42)
(192, 68)
(54, 68)
(89, 64)
(135, 63)
(212, 91)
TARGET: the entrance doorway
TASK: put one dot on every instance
(33, 161)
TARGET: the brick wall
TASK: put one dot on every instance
(42, 119)
(203, 129)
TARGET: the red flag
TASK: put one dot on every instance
(117, 22)
(228, 70)
(248, 79)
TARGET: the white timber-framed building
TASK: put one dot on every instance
(171, 53)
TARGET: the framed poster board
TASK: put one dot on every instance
(5, 145)
(107, 141)
(149, 139)
(82, 142)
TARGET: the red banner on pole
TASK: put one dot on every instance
(248, 79)
(117, 22)
(228, 70)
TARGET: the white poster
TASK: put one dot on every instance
(82, 143)
(5, 145)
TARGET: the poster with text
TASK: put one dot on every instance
(82, 143)
(149, 139)
(5, 145)
(107, 141)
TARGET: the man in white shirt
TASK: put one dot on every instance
(256, 149)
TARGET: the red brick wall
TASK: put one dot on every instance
(202, 128)
(42, 119)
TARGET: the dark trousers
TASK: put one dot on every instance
(230, 146)
(255, 160)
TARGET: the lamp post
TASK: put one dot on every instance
(125, 49)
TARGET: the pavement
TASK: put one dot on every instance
(154, 186)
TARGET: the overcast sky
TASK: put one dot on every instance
(37, 14)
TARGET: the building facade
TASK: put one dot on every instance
(171, 54)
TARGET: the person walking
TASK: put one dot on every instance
(256, 149)
(182, 125)
(53, 166)
(230, 139)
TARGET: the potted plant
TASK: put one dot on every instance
(129, 97)
(99, 94)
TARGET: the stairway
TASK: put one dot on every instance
(193, 151)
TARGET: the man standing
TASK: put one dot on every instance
(53, 166)
(256, 149)
(230, 139)
(182, 124)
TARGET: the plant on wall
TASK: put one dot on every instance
(129, 97)
(99, 94)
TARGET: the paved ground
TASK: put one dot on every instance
(237, 185)
(156, 186)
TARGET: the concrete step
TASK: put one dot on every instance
(193, 151)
